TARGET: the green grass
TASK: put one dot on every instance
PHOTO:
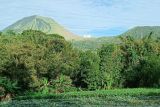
(99, 98)
(99, 93)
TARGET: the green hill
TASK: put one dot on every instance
(136, 32)
(44, 24)
(142, 31)
(94, 43)
(49, 26)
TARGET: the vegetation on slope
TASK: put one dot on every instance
(136, 33)
(143, 31)
(94, 43)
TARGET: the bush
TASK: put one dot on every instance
(87, 75)
(7, 86)
(62, 84)
(149, 72)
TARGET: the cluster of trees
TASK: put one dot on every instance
(35, 60)
(46, 63)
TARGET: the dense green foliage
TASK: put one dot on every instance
(137, 61)
(34, 57)
(35, 62)
(111, 65)
(87, 75)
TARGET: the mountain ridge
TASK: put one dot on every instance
(44, 24)
(139, 32)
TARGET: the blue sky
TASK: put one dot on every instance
(86, 17)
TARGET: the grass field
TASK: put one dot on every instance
(117, 97)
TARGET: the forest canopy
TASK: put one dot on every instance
(46, 63)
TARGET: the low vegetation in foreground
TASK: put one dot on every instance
(100, 98)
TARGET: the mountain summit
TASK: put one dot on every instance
(44, 24)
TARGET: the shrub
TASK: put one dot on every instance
(7, 86)
(62, 84)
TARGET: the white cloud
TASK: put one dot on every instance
(87, 36)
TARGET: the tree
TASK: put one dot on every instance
(55, 36)
(61, 58)
(22, 65)
(0, 33)
(10, 33)
(110, 65)
(135, 53)
(148, 72)
(87, 75)
(33, 56)
(132, 51)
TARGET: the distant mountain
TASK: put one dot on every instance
(44, 24)
(94, 43)
(49, 26)
(142, 31)
(136, 32)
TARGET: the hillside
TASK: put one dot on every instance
(94, 43)
(136, 32)
(44, 24)
(142, 31)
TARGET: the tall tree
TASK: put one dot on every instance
(87, 76)
(110, 65)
